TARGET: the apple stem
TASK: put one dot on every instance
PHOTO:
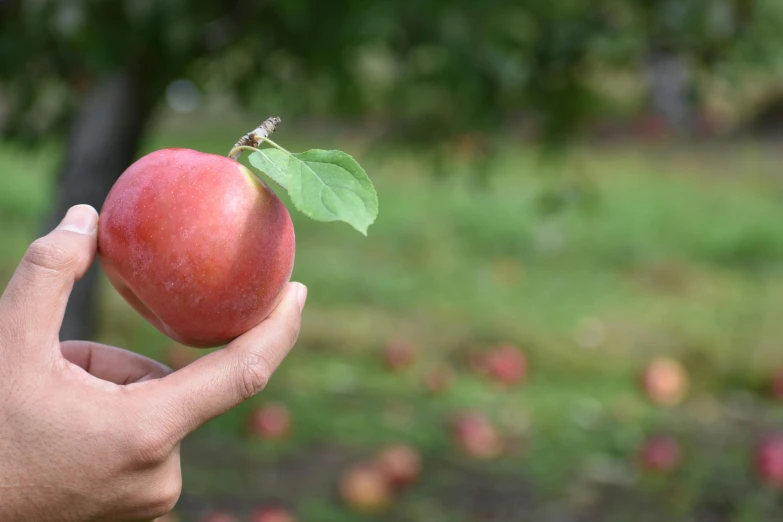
(254, 138)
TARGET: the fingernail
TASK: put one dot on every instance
(82, 219)
(301, 295)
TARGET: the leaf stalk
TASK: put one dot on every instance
(253, 139)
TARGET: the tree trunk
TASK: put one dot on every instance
(669, 89)
(103, 141)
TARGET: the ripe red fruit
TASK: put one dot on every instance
(660, 453)
(400, 464)
(365, 489)
(476, 436)
(272, 514)
(665, 381)
(399, 354)
(270, 421)
(197, 244)
(506, 364)
(769, 461)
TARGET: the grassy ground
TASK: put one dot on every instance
(593, 266)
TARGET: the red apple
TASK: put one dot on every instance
(197, 244)
(272, 514)
(660, 453)
(665, 381)
(217, 516)
(270, 421)
(439, 379)
(769, 461)
(506, 364)
(400, 464)
(476, 436)
(399, 354)
(364, 488)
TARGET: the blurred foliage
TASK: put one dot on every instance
(433, 68)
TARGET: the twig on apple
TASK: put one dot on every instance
(255, 137)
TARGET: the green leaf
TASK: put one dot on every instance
(273, 162)
(329, 185)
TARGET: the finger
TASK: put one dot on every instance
(223, 379)
(33, 304)
(112, 364)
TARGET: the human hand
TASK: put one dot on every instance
(92, 432)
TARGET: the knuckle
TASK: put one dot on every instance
(255, 375)
(47, 255)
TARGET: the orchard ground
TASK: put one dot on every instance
(591, 265)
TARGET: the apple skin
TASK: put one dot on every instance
(665, 381)
(769, 461)
(364, 488)
(197, 244)
(660, 453)
(400, 464)
(506, 364)
(477, 437)
(399, 354)
(271, 421)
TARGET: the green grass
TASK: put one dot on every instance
(658, 252)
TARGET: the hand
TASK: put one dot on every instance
(92, 432)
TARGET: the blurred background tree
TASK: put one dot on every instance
(428, 70)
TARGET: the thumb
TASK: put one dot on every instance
(223, 379)
(35, 299)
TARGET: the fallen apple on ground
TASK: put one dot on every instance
(665, 381)
(769, 461)
(400, 464)
(477, 437)
(202, 248)
(364, 488)
(506, 364)
(270, 421)
(660, 453)
(399, 354)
